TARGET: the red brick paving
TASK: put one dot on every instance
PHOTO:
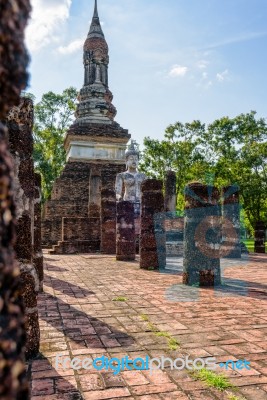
(78, 317)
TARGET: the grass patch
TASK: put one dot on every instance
(217, 381)
(233, 397)
(120, 298)
(144, 317)
(153, 328)
(173, 344)
(163, 334)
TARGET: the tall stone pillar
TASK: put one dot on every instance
(20, 122)
(38, 259)
(13, 79)
(125, 232)
(259, 246)
(152, 236)
(170, 191)
(94, 193)
(202, 238)
(108, 221)
(231, 247)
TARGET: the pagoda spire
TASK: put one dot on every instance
(95, 11)
(95, 28)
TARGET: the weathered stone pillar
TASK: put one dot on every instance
(170, 191)
(152, 237)
(94, 193)
(38, 259)
(20, 122)
(125, 232)
(13, 79)
(259, 246)
(108, 221)
(231, 247)
(202, 235)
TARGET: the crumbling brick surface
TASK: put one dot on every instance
(108, 221)
(19, 123)
(13, 78)
(125, 232)
(170, 191)
(112, 130)
(38, 261)
(231, 247)
(13, 56)
(152, 241)
(13, 383)
(260, 230)
(202, 236)
(77, 194)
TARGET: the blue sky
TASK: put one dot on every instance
(170, 60)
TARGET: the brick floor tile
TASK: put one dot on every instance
(42, 387)
(134, 378)
(201, 395)
(91, 381)
(107, 394)
(254, 393)
(151, 389)
(78, 317)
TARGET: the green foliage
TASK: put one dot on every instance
(179, 151)
(144, 317)
(173, 343)
(120, 298)
(239, 146)
(228, 151)
(234, 397)
(218, 381)
(53, 116)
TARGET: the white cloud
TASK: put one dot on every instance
(222, 76)
(205, 81)
(46, 21)
(202, 64)
(72, 47)
(178, 70)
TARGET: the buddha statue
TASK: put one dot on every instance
(131, 179)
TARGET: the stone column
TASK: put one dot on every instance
(94, 193)
(38, 259)
(170, 192)
(13, 79)
(231, 247)
(20, 122)
(202, 236)
(125, 232)
(108, 221)
(259, 246)
(152, 236)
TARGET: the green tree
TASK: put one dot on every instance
(228, 151)
(179, 151)
(239, 146)
(53, 116)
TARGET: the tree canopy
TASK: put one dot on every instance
(227, 151)
(53, 116)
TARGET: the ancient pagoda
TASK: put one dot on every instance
(95, 145)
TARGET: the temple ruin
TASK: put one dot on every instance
(95, 145)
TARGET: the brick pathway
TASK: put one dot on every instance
(79, 317)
